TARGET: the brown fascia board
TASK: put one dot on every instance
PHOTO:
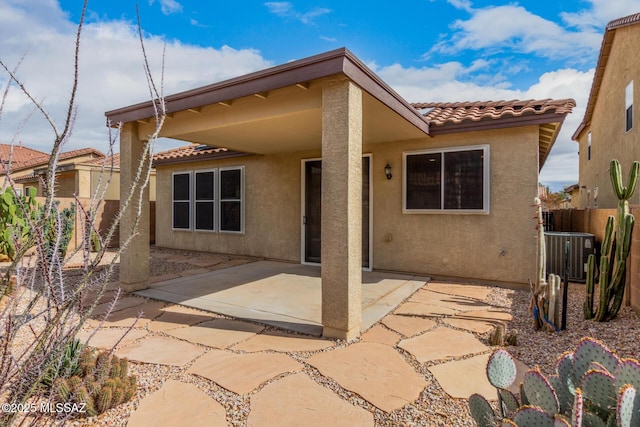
(502, 123)
(204, 157)
(339, 61)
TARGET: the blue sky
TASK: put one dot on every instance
(427, 50)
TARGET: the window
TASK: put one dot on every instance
(205, 200)
(231, 189)
(628, 95)
(208, 200)
(181, 201)
(451, 180)
(589, 146)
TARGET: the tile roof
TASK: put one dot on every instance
(605, 50)
(30, 158)
(447, 113)
(193, 152)
(21, 155)
(115, 158)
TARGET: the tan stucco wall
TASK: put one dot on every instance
(113, 190)
(498, 247)
(608, 137)
(272, 209)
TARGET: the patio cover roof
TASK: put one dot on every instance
(278, 109)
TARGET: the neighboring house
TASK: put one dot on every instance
(573, 196)
(16, 159)
(26, 173)
(611, 125)
(79, 172)
(441, 189)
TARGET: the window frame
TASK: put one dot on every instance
(221, 200)
(628, 107)
(195, 201)
(485, 181)
(173, 200)
(589, 145)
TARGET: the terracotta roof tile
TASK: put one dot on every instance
(193, 152)
(115, 158)
(442, 113)
(21, 155)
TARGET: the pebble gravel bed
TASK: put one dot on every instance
(433, 407)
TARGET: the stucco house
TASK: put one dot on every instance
(610, 128)
(323, 163)
(28, 167)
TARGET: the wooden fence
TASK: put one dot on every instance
(104, 219)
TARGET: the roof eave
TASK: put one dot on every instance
(339, 61)
(501, 123)
(199, 158)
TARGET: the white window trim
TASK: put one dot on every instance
(485, 181)
(220, 200)
(215, 200)
(628, 101)
(190, 174)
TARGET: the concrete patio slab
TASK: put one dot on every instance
(461, 378)
(177, 316)
(218, 333)
(313, 405)
(282, 342)
(176, 404)
(381, 335)
(161, 351)
(408, 325)
(374, 371)
(442, 343)
(271, 292)
(243, 373)
(107, 338)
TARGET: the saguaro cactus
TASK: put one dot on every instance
(612, 268)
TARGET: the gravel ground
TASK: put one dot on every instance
(433, 407)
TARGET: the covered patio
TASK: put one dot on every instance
(285, 295)
(330, 102)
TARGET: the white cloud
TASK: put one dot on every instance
(286, 10)
(111, 73)
(168, 6)
(514, 28)
(461, 4)
(601, 12)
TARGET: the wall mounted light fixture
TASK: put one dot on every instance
(387, 170)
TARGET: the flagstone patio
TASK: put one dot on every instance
(429, 340)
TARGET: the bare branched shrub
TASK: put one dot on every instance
(43, 307)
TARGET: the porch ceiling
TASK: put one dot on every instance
(281, 120)
(278, 109)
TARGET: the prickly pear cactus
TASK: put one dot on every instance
(612, 268)
(592, 386)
